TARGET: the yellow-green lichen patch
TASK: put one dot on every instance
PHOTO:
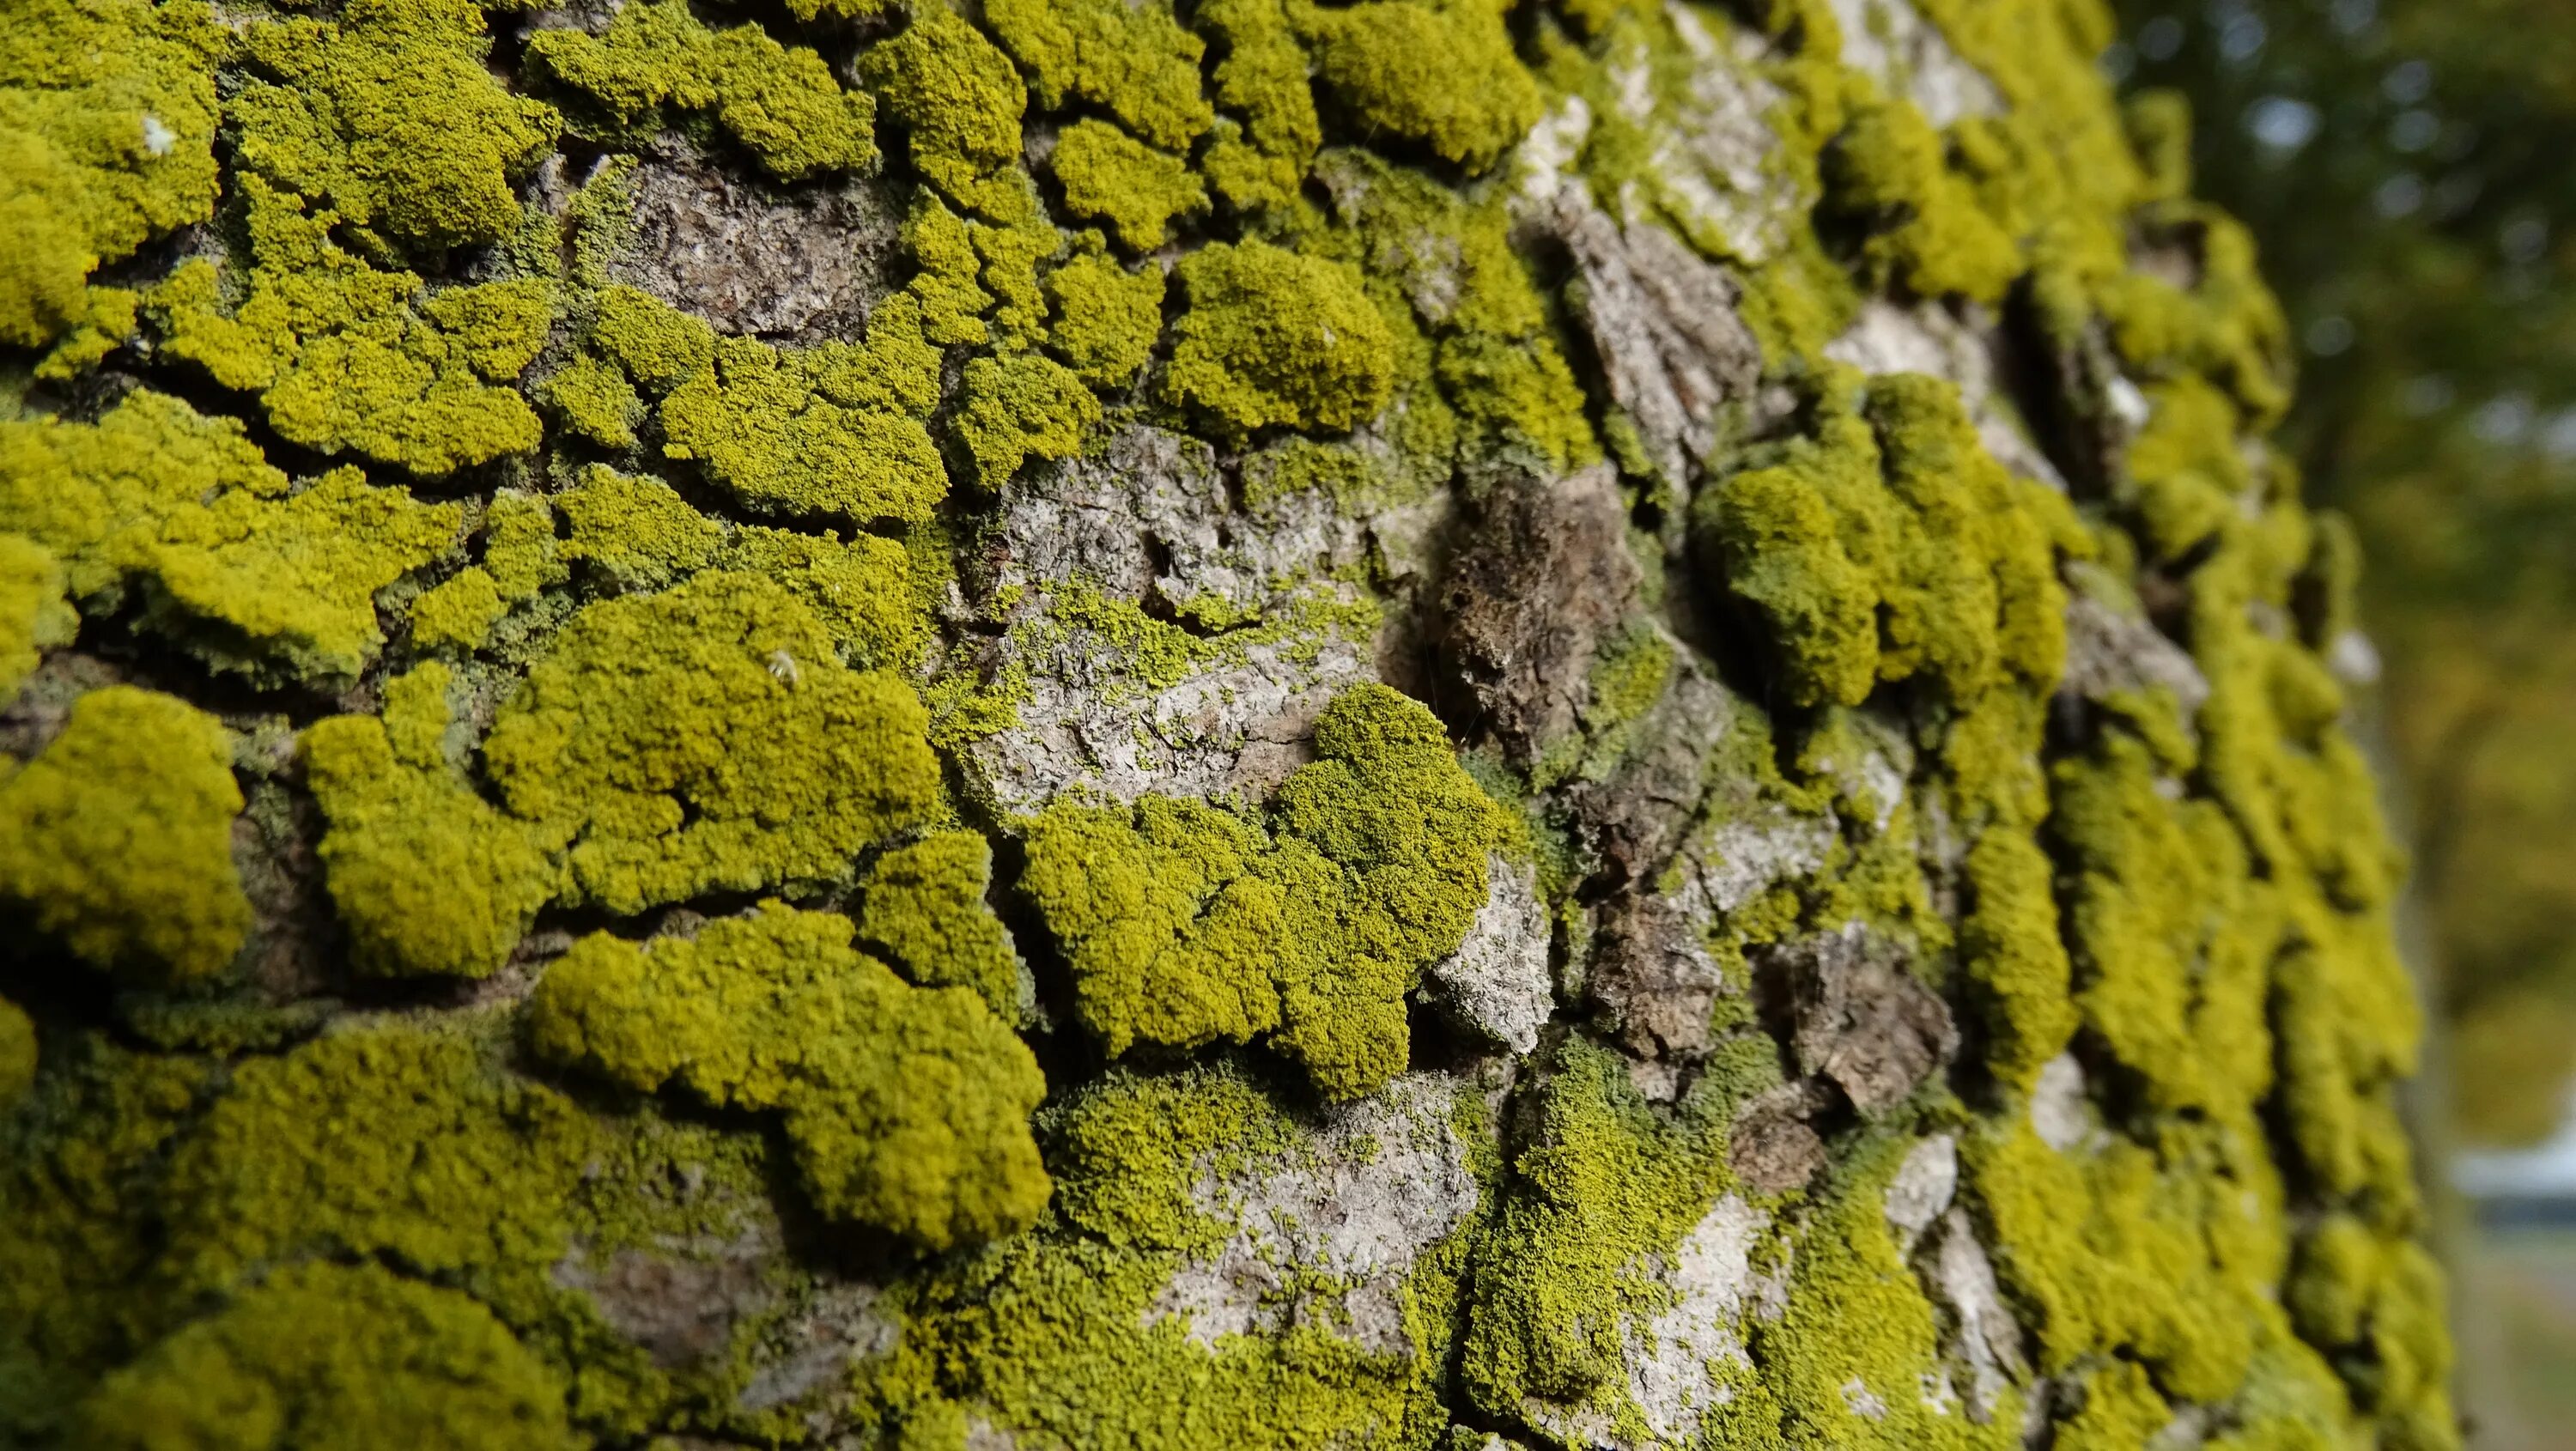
(1493, 351)
(908, 1107)
(708, 739)
(1565, 1278)
(1103, 319)
(387, 117)
(1017, 405)
(594, 400)
(779, 101)
(635, 532)
(229, 560)
(658, 345)
(825, 430)
(2164, 1254)
(1269, 132)
(18, 1054)
(1439, 72)
(1925, 228)
(1095, 1330)
(960, 100)
(1892, 546)
(427, 876)
(1110, 176)
(1188, 925)
(1134, 61)
(926, 910)
(349, 358)
(107, 128)
(117, 837)
(520, 559)
(34, 614)
(1273, 339)
(335, 1356)
(2020, 981)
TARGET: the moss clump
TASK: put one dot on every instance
(349, 358)
(108, 114)
(1440, 72)
(335, 1356)
(1275, 339)
(228, 559)
(34, 615)
(707, 739)
(117, 837)
(1104, 319)
(1112, 177)
(908, 1107)
(427, 877)
(1187, 925)
(1892, 546)
(926, 910)
(1134, 61)
(779, 101)
(387, 117)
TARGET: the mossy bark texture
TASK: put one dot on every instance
(1455, 724)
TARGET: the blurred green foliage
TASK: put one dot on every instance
(2409, 170)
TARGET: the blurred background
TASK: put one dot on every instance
(2409, 170)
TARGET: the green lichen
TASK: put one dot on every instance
(520, 559)
(594, 400)
(1134, 61)
(1269, 132)
(108, 110)
(1104, 320)
(349, 358)
(635, 532)
(227, 557)
(34, 614)
(833, 429)
(1439, 72)
(117, 837)
(780, 102)
(907, 1107)
(1924, 226)
(926, 911)
(1018, 405)
(1272, 339)
(1604, 1184)
(427, 877)
(1188, 925)
(1060, 1333)
(1110, 176)
(19, 1054)
(707, 739)
(658, 345)
(335, 1356)
(959, 100)
(387, 118)
(1892, 546)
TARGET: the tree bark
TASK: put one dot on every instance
(1439, 723)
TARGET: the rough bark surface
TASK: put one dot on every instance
(1165, 724)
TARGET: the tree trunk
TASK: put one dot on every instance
(1083, 723)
